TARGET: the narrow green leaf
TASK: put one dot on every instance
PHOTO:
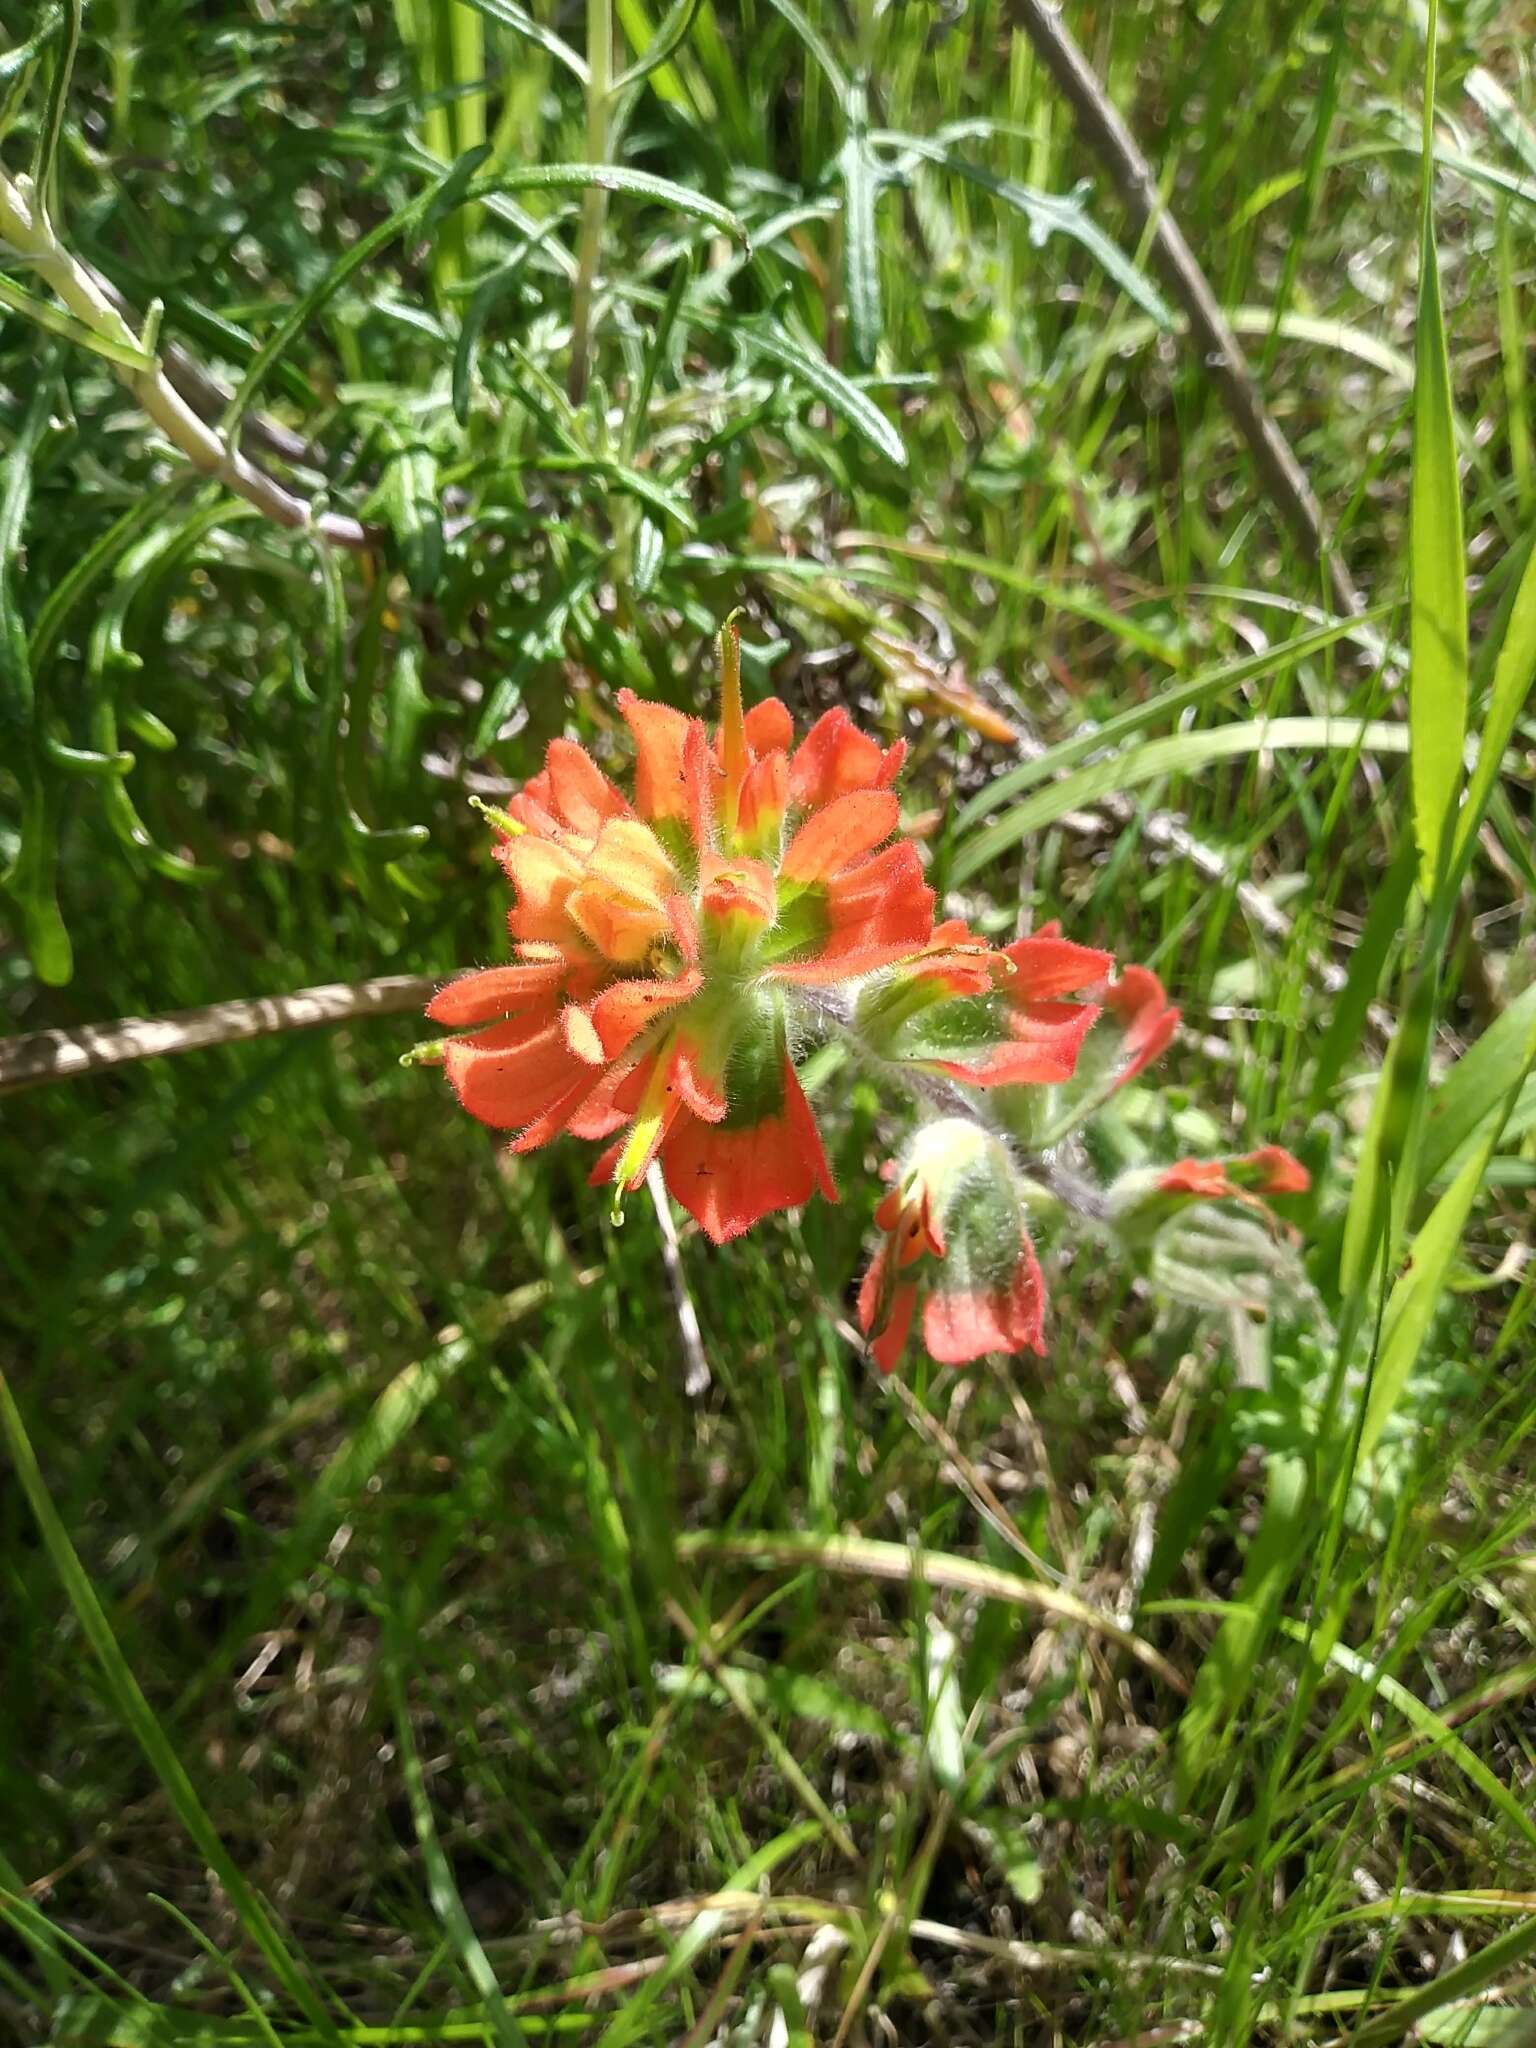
(1231, 1664)
(441, 1888)
(1437, 696)
(1475, 1086)
(817, 45)
(45, 162)
(54, 320)
(1425, 1721)
(1179, 754)
(541, 177)
(20, 55)
(1053, 595)
(632, 2022)
(1383, 922)
(637, 410)
(1052, 213)
(1512, 679)
(1416, 1296)
(1396, 1114)
(809, 367)
(1478, 1973)
(1160, 709)
(861, 255)
(671, 34)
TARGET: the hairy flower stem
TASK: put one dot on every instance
(834, 1013)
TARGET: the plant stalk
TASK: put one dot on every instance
(594, 205)
(24, 225)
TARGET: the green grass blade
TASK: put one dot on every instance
(1480, 1972)
(630, 2024)
(1437, 700)
(1513, 676)
(1179, 754)
(1054, 595)
(1480, 1080)
(441, 1888)
(1425, 1721)
(1162, 708)
(1396, 1113)
(1231, 1665)
(671, 34)
(1367, 963)
(1412, 1304)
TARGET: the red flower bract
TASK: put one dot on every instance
(1269, 1171)
(660, 943)
(956, 1241)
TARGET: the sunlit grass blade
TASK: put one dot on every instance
(1474, 1088)
(1180, 754)
(1437, 554)
(1417, 1296)
(1163, 707)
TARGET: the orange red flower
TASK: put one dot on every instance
(673, 948)
(660, 941)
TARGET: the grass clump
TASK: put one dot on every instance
(406, 1641)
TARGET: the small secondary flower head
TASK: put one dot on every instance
(957, 1242)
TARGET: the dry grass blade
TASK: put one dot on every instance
(864, 1557)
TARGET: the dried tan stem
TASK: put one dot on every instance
(65, 1055)
(1223, 356)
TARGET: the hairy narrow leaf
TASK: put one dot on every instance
(510, 15)
(1051, 213)
(861, 255)
(808, 367)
